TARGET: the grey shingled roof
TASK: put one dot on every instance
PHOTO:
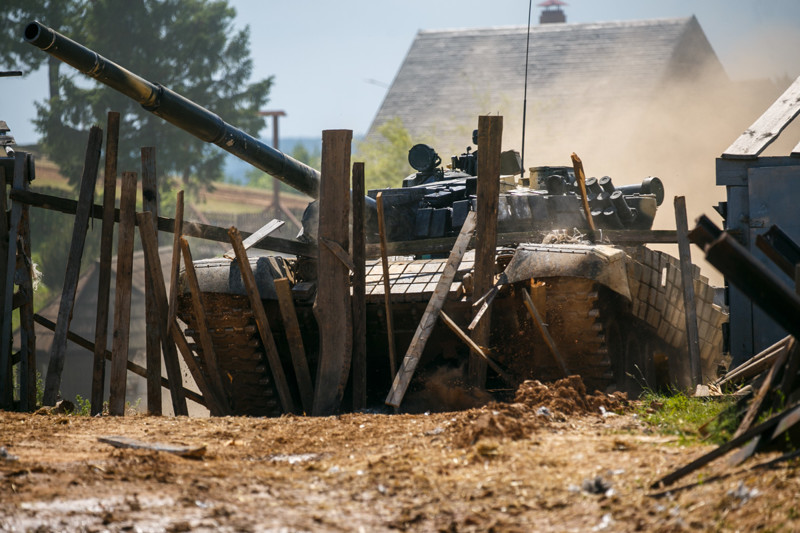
(450, 77)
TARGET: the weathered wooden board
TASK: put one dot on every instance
(190, 229)
(332, 305)
(213, 377)
(295, 340)
(81, 223)
(104, 274)
(403, 377)
(768, 127)
(175, 267)
(152, 328)
(490, 138)
(387, 290)
(548, 339)
(159, 313)
(258, 236)
(687, 281)
(122, 298)
(260, 315)
(358, 249)
(116, 441)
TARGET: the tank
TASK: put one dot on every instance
(615, 312)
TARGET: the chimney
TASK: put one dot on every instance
(552, 12)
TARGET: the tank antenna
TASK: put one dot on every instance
(525, 95)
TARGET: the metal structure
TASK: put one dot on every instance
(760, 194)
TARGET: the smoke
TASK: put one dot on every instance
(445, 389)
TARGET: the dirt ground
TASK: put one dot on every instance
(555, 460)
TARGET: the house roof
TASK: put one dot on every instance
(449, 77)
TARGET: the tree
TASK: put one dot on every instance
(189, 46)
(385, 156)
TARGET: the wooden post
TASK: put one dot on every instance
(27, 371)
(295, 341)
(176, 260)
(403, 377)
(159, 313)
(122, 303)
(151, 317)
(104, 275)
(6, 280)
(689, 304)
(358, 245)
(81, 223)
(204, 337)
(490, 136)
(332, 305)
(387, 286)
(273, 357)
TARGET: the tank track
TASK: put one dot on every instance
(248, 383)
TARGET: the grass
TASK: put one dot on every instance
(682, 415)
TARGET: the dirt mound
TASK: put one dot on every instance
(535, 403)
(567, 397)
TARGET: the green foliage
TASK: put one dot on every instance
(386, 157)
(679, 414)
(83, 406)
(189, 46)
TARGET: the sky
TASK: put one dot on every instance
(332, 61)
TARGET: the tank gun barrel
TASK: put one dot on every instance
(176, 109)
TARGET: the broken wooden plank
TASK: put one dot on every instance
(260, 315)
(131, 366)
(104, 273)
(548, 339)
(358, 251)
(27, 368)
(216, 406)
(159, 313)
(490, 137)
(122, 304)
(387, 287)
(687, 282)
(768, 127)
(88, 181)
(721, 450)
(117, 441)
(295, 340)
(339, 252)
(258, 236)
(152, 327)
(332, 305)
(403, 377)
(580, 178)
(209, 356)
(190, 229)
(450, 323)
(756, 364)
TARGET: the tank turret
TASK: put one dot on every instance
(176, 109)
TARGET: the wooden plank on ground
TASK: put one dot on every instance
(159, 313)
(208, 354)
(131, 366)
(358, 245)
(687, 280)
(81, 224)
(104, 274)
(490, 138)
(403, 377)
(122, 297)
(332, 305)
(151, 318)
(295, 340)
(116, 441)
(260, 315)
(256, 237)
(768, 127)
(190, 229)
(387, 287)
